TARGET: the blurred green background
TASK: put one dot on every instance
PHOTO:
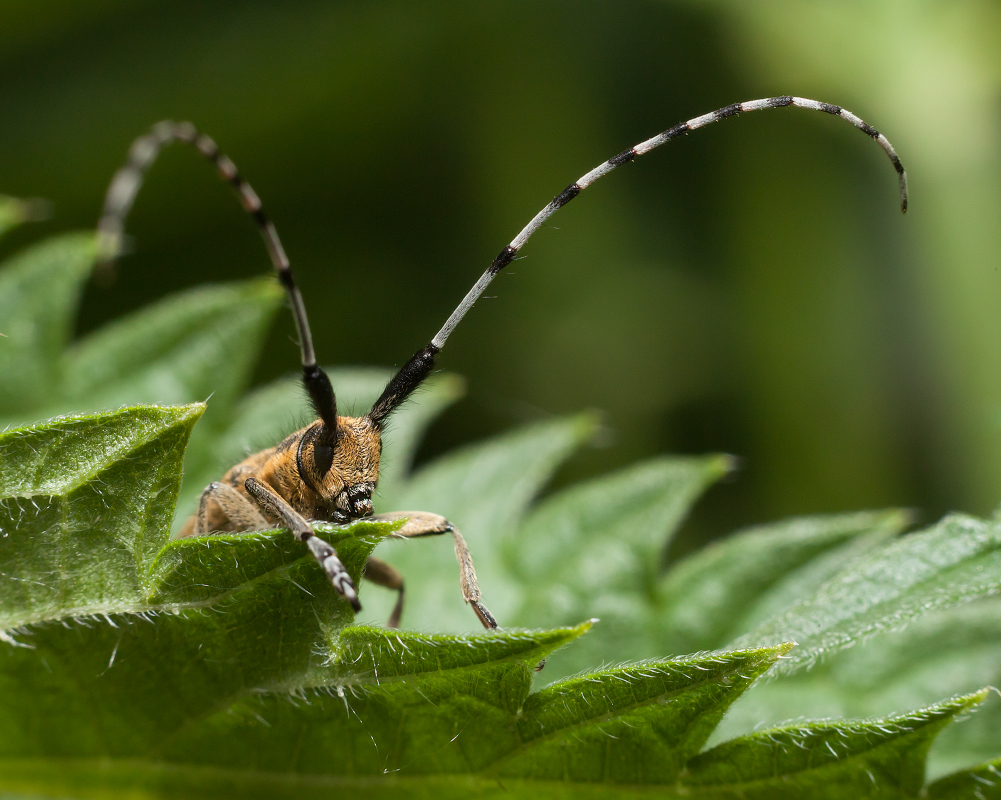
(751, 288)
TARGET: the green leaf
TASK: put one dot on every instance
(485, 488)
(86, 504)
(708, 596)
(595, 550)
(198, 343)
(447, 735)
(227, 626)
(632, 725)
(58, 479)
(982, 782)
(190, 346)
(194, 344)
(422, 710)
(952, 651)
(801, 582)
(14, 212)
(231, 627)
(612, 532)
(39, 291)
(954, 562)
(410, 703)
(880, 758)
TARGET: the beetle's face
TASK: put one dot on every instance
(345, 475)
(352, 502)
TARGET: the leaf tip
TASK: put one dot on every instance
(766, 655)
(896, 519)
(29, 209)
(266, 290)
(586, 424)
(361, 529)
(977, 697)
(722, 464)
(191, 410)
(548, 641)
(185, 415)
(954, 707)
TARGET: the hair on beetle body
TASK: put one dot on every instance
(329, 470)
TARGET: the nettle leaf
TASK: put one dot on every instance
(595, 550)
(632, 725)
(86, 503)
(63, 479)
(800, 582)
(944, 652)
(15, 211)
(185, 348)
(174, 350)
(487, 487)
(954, 562)
(918, 581)
(982, 782)
(39, 292)
(710, 596)
(612, 532)
(881, 758)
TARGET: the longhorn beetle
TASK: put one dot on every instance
(328, 470)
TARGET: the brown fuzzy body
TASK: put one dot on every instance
(343, 492)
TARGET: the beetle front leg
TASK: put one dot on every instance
(325, 555)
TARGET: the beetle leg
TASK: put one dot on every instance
(241, 513)
(272, 503)
(423, 523)
(383, 574)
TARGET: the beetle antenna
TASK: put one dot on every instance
(419, 367)
(122, 194)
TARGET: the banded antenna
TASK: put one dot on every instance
(122, 194)
(410, 376)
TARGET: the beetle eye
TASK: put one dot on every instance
(323, 457)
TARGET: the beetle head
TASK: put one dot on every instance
(342, 470)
